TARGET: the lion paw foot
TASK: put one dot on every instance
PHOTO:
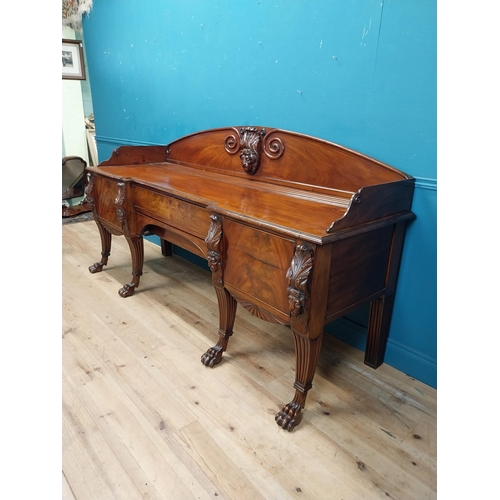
(289, 416)
(96, 267)
(127, 290)
(212, 357)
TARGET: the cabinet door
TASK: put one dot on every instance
(256, 263)
(107, 192)
(358, 269)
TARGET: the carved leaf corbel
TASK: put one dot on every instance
(120, 198)
(298, 283)
(214, 254)
(250, 152)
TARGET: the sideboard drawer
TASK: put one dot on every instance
(180, 214)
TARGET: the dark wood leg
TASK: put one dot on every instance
(306, 359)
(106, 249)
(378, 330)
(381, 308)
(227, 303)
(166, 248)
(136, 245)
(227, 314)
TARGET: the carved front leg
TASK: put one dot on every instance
(136, 245)
(135, 242)
(227, 314)
(227, 303)
(306, 359)
(307, 346)
(106, 249)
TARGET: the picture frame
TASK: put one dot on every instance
(92, 147)
(73, 67)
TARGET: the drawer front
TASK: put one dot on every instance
(174, 212)
(256, 263)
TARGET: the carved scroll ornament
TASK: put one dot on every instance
(248, 143)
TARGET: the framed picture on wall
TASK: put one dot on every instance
(73, 67)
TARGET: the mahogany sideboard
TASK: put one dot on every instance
(297, 230)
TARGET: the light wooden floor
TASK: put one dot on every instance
(143, 418)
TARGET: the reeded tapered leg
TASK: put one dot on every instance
(105, 249)
(381, 308)
(136, 245)
(378, 330)
(306, 359)
(227, 314)
(307, 338)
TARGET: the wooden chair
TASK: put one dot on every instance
(73, 186)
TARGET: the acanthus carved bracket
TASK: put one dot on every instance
(120, 209)
(249, 143)
(298, 286)
(214, 247)
(120, 198)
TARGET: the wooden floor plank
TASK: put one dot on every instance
(90, 466)
(67, 493)
(143, 418)
(224, 472)
(146, 456)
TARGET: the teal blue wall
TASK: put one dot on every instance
(359, 73)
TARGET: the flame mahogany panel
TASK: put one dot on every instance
(172, 211)
(106, 193)
(256, 264)
(364, 259)
(306, 160)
